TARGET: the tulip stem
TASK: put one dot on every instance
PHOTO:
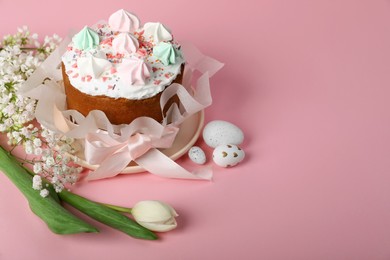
(118, 208)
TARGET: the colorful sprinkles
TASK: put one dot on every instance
(161, 75)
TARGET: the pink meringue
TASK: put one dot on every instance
(133, 70)
(125, 43)
(123, 21)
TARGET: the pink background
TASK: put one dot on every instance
(307, 81)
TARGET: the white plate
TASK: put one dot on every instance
(188, 134)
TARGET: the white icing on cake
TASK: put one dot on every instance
(102, 79)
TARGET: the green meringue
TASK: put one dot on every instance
(86, 39)
(165, 52)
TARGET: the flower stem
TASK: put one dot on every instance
(12, 149)
(118, 208)
(24, 161)
(107, 216)
(29, 49)
(24, 49)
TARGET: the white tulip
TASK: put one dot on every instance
(155, 215)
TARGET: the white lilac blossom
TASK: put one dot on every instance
(20, 55)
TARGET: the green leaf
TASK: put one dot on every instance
(107, 216)
(58, 219)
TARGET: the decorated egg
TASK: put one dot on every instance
(220, 132)
(228, 155)
(197, 155)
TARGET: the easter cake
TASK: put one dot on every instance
(121, 68)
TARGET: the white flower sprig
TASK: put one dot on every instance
(20, 55)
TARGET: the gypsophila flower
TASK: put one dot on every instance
(20, 55)
(37, 142)
(37, 182)
(56, 162)
(50, 161)
(38, 151)
(58, 187)
(44, 193)
(37, 168)
(28, 149)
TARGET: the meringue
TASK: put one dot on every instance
(133, 70)
(93, 65)
(97, 82)
(123, 21)
(165, 52)
(157, 32)
(86, 39)
(125, 43)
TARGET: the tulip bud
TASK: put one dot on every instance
(155, 215)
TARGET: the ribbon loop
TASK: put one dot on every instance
(138, 145)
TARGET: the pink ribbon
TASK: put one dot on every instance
(114, 153)
(139, 141)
